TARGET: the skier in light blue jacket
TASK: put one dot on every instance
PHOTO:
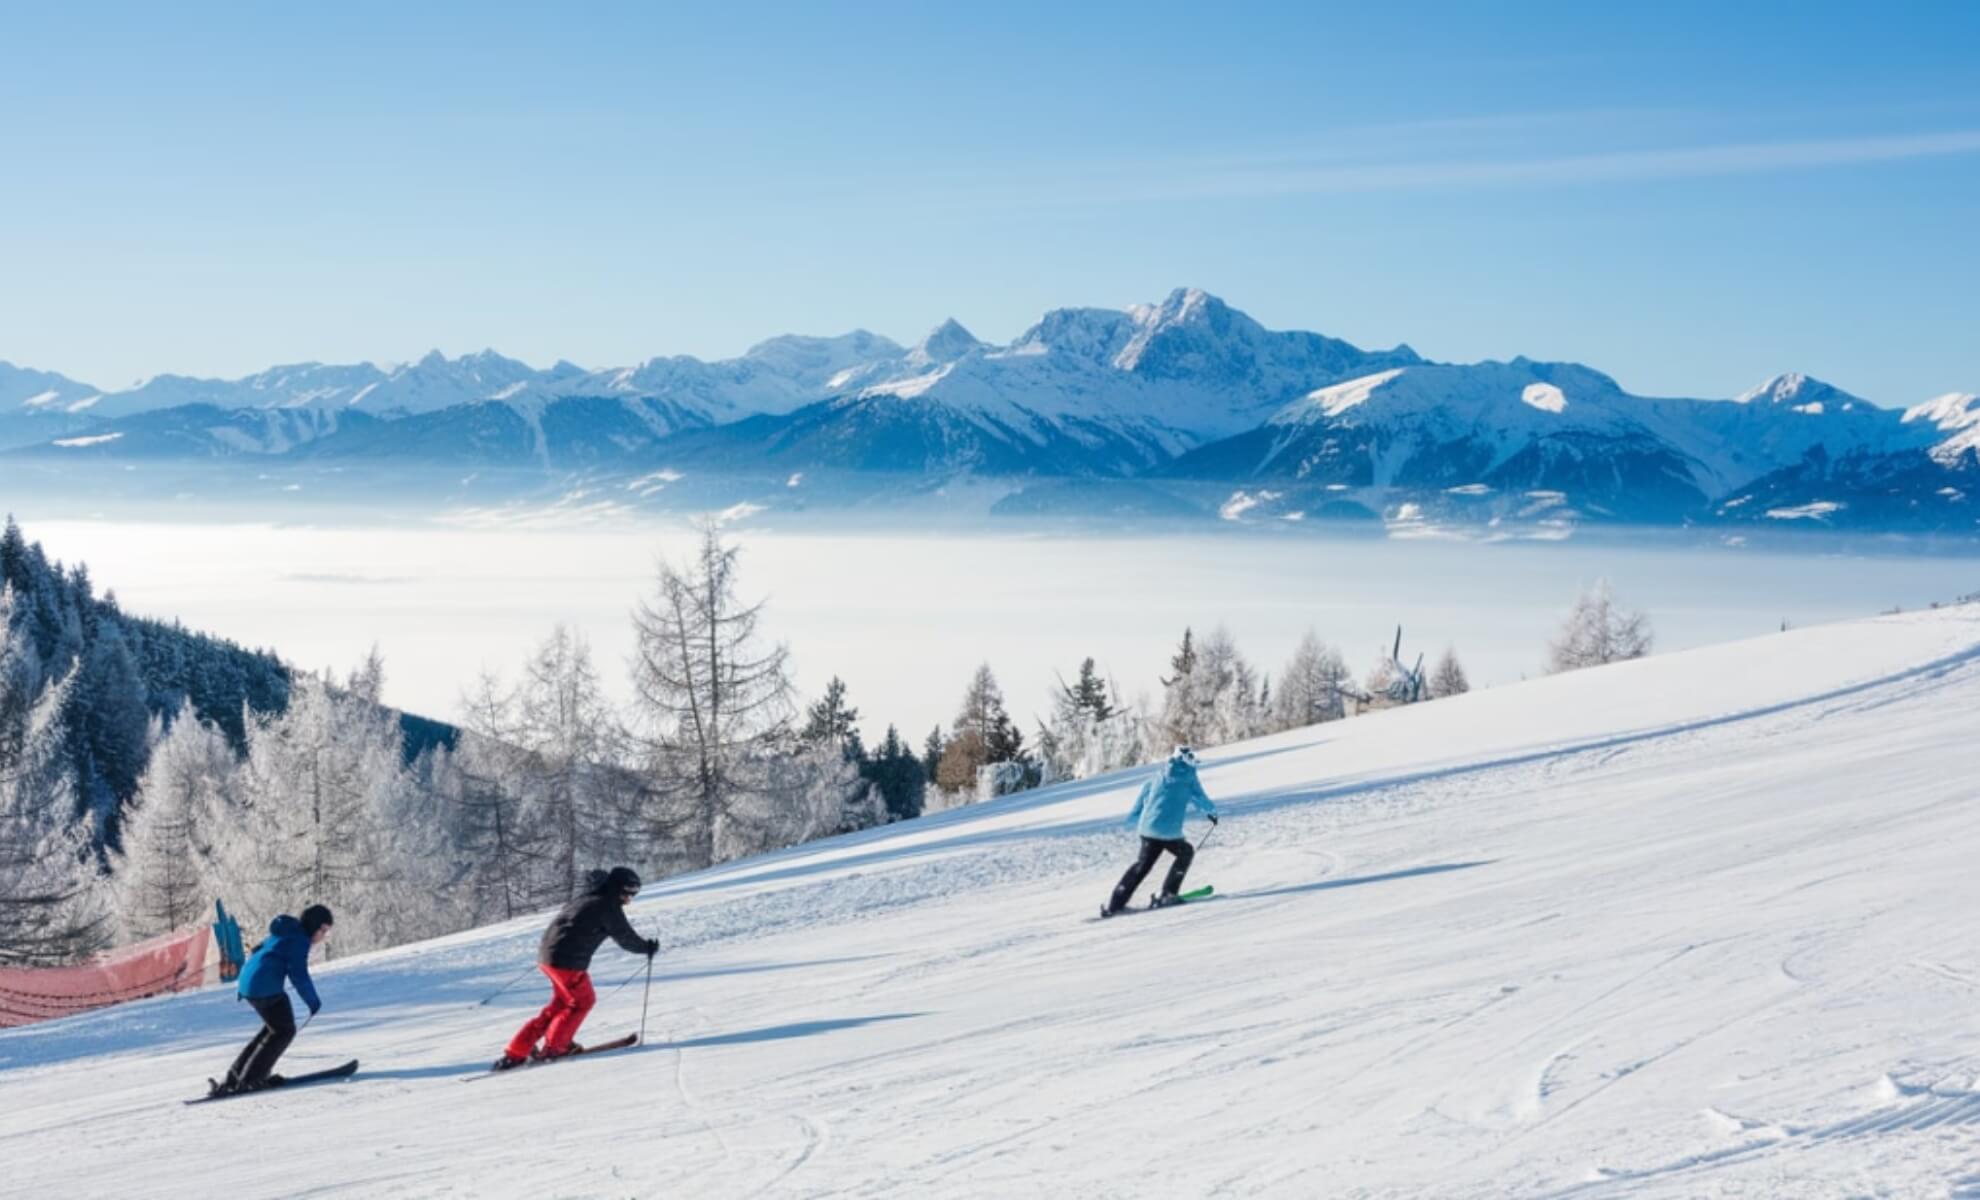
(1158, 815)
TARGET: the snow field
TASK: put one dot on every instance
(1696, 925)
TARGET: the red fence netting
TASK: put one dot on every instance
(171, 962)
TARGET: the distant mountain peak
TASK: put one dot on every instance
(945, 343)
(1954, 410)
(1797, 390)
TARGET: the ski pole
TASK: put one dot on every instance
(643, 999)
(623, 982)
(1206, 837)
(490, 998)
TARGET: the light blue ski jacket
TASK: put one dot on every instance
(1166, 799)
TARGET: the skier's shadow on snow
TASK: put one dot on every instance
(776, 1033)
(769, 1033)
(1323, 885)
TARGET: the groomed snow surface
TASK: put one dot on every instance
(1697, 925)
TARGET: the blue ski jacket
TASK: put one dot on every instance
(1166, 799)
(284, 955)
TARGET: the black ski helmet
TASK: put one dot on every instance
(623, 879)
(315, 917)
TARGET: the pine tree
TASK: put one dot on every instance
(900, 777)
(1090, 694)
(1598, 630)
(114, 726)
(52, 902)
(931, 754)
(1449, 678)
(832, 721)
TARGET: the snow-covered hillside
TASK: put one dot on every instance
(1692, 925)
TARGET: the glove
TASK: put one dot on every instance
(316, 1008)
(652, 947)
(1213, 817)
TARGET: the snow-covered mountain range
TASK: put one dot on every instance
(1150, 408)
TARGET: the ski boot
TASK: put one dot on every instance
(1164, 900)
(507, 1062)
(545, 1056)
(216, 1088)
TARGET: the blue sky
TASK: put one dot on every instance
(1691, 197)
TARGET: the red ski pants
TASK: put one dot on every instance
(558, 1023)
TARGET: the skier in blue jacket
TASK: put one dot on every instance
(283, 957)
(1158, 814)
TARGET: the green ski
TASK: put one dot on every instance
(1206, 892)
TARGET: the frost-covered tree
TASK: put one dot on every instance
(566, 731)
(167, 874)
(1212, 694)
(1062, 741)
(1448, 679)
(810, 791)
(52, 902)
(714, 702)
(331, 814)
(484, 781)
(1311, 686)
(1185, 706)
(1228, 688)
(1598, 630)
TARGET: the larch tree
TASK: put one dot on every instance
(714, 702)
(1598, 630)
(984, 734)
(1311, 686)
(1449, 679)
(566, 730)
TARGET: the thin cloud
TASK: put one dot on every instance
(1329, 172)
(1612, 167)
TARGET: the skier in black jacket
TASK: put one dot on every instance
(565, 956)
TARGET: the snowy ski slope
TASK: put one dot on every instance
(1698, 925)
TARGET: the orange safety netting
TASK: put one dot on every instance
(171, 962)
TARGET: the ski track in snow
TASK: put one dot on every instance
(1689, 926)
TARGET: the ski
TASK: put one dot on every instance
(1205, 892)
(343, 1072)
(631, 1039)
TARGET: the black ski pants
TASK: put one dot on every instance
(258, 1057)
(1151, 849)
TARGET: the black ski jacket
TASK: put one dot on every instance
(574, 935)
